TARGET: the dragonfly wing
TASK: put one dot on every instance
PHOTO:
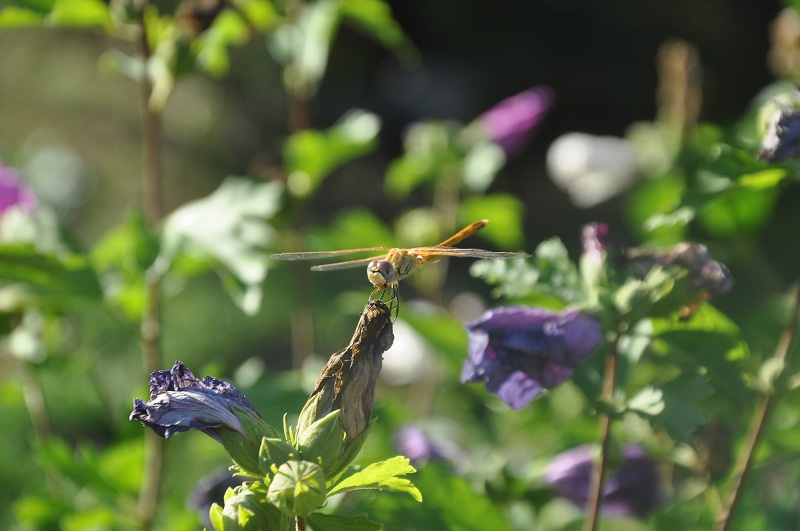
(361, 262)
(315, 255)
(429, 253)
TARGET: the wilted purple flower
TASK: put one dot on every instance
(179, 401)
(782, 139)
(521, 351)
(510, 122)
(14, 192)
(413, 443)
(705, 274)
(633, 490)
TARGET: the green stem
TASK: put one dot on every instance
(150, 332)
(759, 421)
(599, 470)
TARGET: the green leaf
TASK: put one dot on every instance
(443, 332)
(374, 17)
(82, 13)
(211, 47)
(335, 522)
(353, 228)
(20, 17)
(30, 277)
(505, 212)
(550, 275)
(429, 155)
(450, 503)
(673, 406)
(312, 155)
(229, 226)
(381, 475)
(121, 258)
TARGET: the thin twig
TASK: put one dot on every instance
(151, 318)
(759, 421)
(599, 471)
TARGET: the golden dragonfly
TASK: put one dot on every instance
(386, 271)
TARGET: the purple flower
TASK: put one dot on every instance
(633, 490)
(594, 238)
(14, 192)
(782, 139)
(179, 401)
(521, 351)
(419, 447)
(510, 122)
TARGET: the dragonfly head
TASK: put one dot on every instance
(381, 273)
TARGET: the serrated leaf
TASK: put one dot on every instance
(381, 475)
(311, 155)
(230, 226)
(680, 414)
(336, 522)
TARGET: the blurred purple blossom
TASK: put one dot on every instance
(633, 490)
(14, 192)
(179, 401)
(782, 138)
(594, 238)
(510, 122)
(412, 442)
(521, 351)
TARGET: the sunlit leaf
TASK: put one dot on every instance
(505, 213)
(382, 475)
(374, 17)
(311, 155)
(230, 225)
(443, 332)
(84, 13)
(18, 17)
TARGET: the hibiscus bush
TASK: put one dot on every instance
(632, 369)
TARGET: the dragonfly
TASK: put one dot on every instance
(386, 271)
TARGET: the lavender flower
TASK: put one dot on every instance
(510, 122)
(14, 192)
(419, 447)
(633, 490)
(521, 351)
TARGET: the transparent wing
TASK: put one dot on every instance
(315, 255)
(361, 262)
(428, 253)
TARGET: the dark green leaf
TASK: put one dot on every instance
(673, 405)
(335, 522)
(28, 276)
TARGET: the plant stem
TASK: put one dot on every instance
(150, 333)
(300, 523)
(599, 470)
(759, 421)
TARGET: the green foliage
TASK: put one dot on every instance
(311, 156)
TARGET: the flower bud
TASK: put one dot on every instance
(247, 509)
(336, 417)
(298, 488)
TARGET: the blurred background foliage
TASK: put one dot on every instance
(338, 124)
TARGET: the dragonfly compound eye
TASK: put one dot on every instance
(380, 273)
